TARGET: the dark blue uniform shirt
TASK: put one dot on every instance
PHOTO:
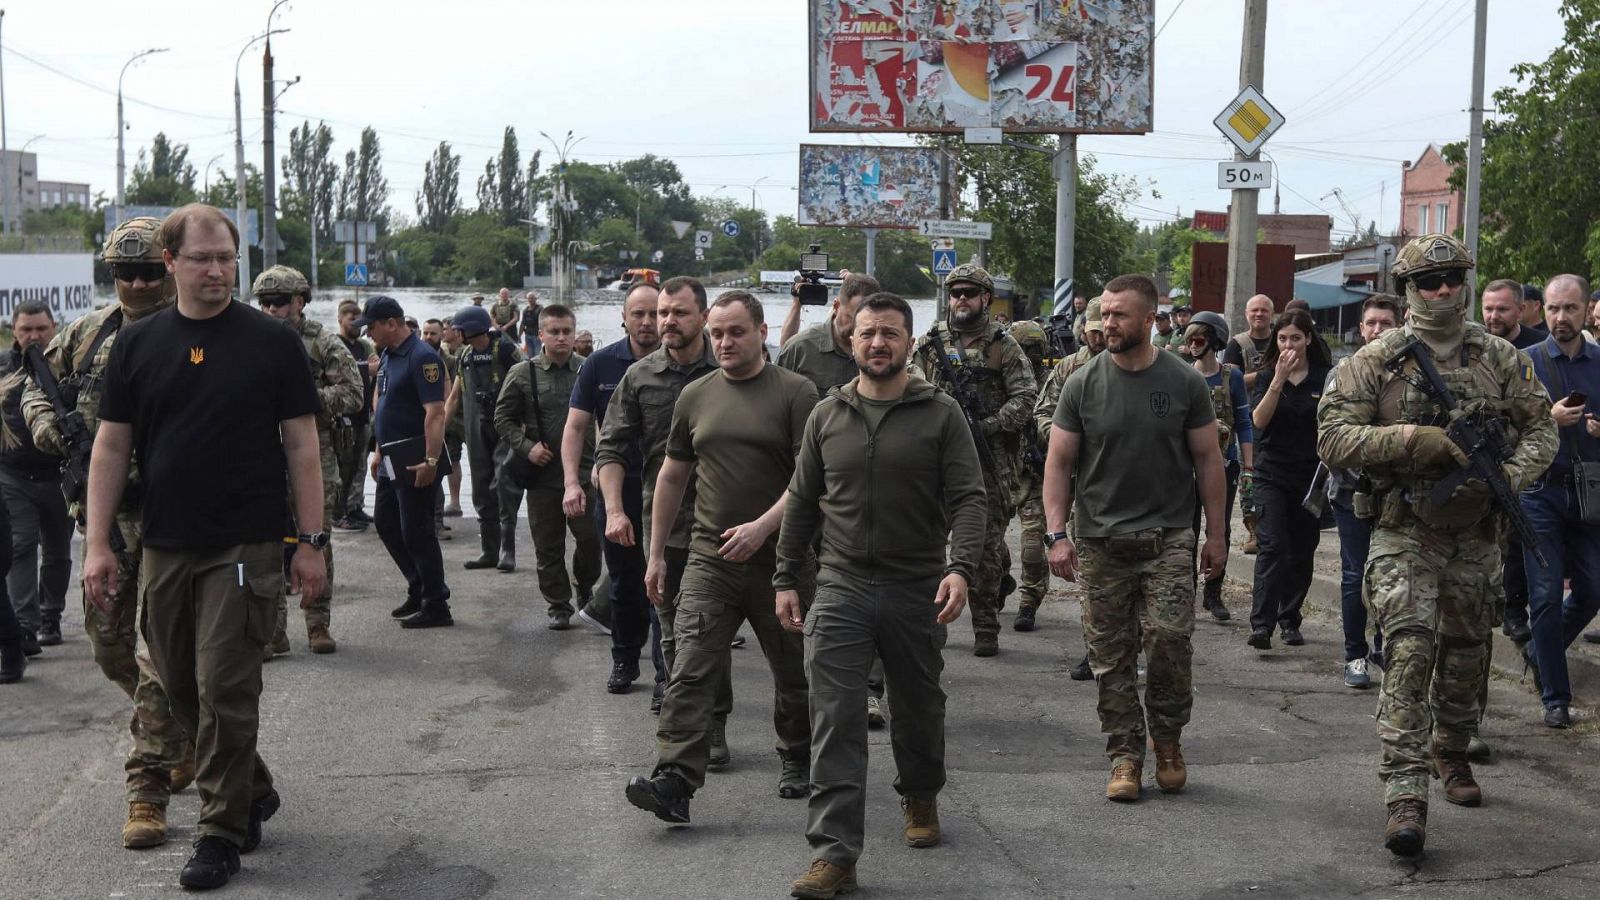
(1581, 373)
(409, 376)
(597, 381)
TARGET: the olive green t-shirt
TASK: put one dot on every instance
(1134, 427)
(742, 437)
(874, 411)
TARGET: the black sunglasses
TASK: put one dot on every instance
(138, 271)
(963, 293)
(1432, 280)
(274, 300)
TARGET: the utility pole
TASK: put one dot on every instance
(5, 191)
(269, 196)
(1475, 145)
(1065, 167)
(1242, 213)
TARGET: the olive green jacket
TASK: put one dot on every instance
(522, 422)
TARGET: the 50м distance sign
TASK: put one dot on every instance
(946, 65)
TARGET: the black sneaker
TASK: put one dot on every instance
(1557, 717)
(1024, 620)
(261, 810)
(656, 696)
(408, 608)
(213, 863)
(1081, 671)
(622, 677)
(666, 795)
(1291, 636)
(1261, 640)
(30, 644)
(50, 633)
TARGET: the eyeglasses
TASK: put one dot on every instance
(966, 293)
(207, 260)
(274, 300)
(1432, 280)
(138, 271)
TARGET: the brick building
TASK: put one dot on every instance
(1427, 202)
(1305, 233)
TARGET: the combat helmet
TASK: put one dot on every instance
(1030, 335)
(1209, 322)
(136, 240)
(281, 280)
(1430, 253)
(970, 272)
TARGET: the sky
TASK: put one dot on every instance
(721, 88)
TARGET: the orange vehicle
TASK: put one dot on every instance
(634, 277)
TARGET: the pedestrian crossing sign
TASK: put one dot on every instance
(943, 262)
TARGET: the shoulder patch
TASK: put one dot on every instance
(430, 373)
(1527, 371)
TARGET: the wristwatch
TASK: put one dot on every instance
(316, 541)
(1051, 538)
(432, 461)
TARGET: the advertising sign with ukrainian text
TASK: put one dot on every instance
(1082, 66)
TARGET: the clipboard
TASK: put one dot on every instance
(399, 456)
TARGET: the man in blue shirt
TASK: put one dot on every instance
(1569, 367)
(632, 616)
(410, 404)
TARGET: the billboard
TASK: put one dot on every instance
(63, 280)
(868, 187)
(1082, 66)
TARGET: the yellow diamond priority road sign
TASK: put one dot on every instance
(1248, 121)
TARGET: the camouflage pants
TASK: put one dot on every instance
(319, 614)
(985, 594)
(1435, 597)
(1035, 568)
(159, 742)
(1128, 603)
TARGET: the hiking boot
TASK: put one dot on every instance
(1557, 717)
(622, 677)
(146, 826)
(1291, 635)
(985, 644)
(1356, 675)
(824, 881)
(280, 642)
(1213, 601)
(719, 745)
(1171, 772)
(30, 644)
(409, 608)
(1081, 671)
(1251, 548)
(50, 631)
(922, 821)
(1124, 783)
(213, 863)
(1478, 750)
(666, 795)
(1261, 640)
(1452, 768)
(261, 809)
(875, 716)
(182, 776)
(1408, 826)
(1024, 620)
(319, 640)
(794, 782)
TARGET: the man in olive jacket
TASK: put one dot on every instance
(885, 507)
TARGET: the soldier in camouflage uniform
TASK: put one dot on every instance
(1028, 499)
(991, 368)
(503, 313)
(283, 293)
(1044, 411)
(162, 758)
(1433, 571)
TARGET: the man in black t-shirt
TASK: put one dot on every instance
(214, 468)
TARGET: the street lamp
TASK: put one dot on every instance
(558, 267)
(208, 175)
(241, 209)
(121, 166)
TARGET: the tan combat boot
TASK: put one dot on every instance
(824, 881)
(1124, 784)
(319, 640)
(1407, 830)
(1453, 769)
(146, 826)
(922, 821)
(1171, 772)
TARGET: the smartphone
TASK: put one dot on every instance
(1576, 398)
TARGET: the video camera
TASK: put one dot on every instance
(810, 290)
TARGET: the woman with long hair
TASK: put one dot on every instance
(1288, 387)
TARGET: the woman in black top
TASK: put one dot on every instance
(1288, 387)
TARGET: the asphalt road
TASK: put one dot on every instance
(486, 760)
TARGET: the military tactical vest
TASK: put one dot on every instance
(1222, 404)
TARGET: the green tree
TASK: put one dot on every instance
(310, 174)
(363, 191)
(488, 251)
(438, 202)
(1541, 152)
(162, 177)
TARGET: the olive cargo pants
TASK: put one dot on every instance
(549, 526)
(207, 615)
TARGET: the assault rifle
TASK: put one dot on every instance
(1058, 330)
(962, 394)
(1483, 442)
(75, 436)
